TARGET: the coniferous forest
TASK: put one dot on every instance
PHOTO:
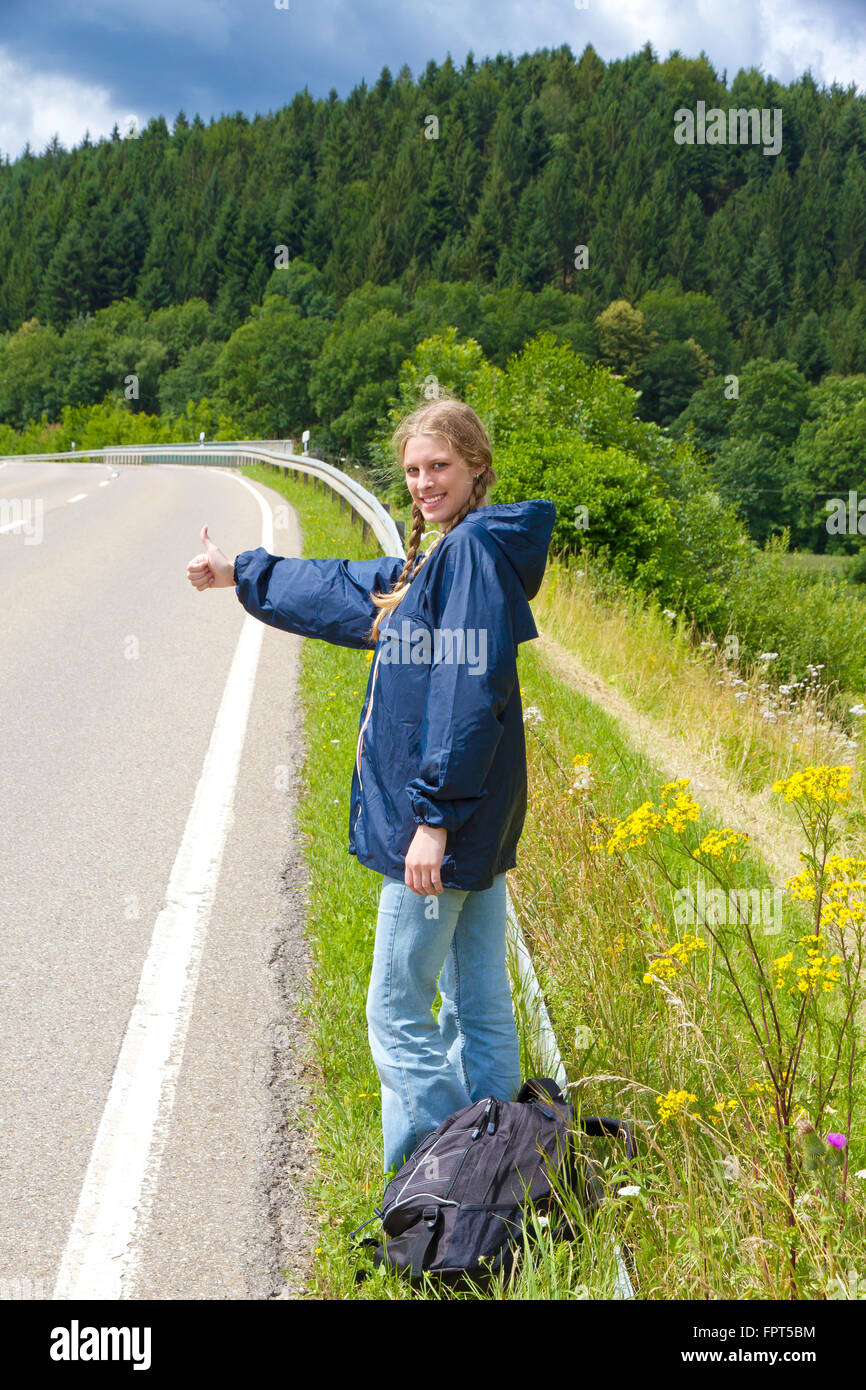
(253, 277)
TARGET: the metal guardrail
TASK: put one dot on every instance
(234, 454)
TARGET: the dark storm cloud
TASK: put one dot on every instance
(93, 63)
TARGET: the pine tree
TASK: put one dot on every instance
(850, 235)
(810, 349)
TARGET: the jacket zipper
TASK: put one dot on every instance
(360, 746)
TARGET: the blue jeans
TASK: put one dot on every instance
(429, 1069)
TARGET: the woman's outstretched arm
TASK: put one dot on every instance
(328, 599)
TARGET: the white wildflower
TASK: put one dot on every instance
(628, 1191)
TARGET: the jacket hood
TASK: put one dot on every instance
(522, 530)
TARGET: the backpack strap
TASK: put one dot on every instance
(599, 1127)
(540, 1088)
(366, 1223)
(422, 1244)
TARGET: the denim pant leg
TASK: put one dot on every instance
(420, 1087)
(476, 1019)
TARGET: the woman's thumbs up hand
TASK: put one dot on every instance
(213, 570)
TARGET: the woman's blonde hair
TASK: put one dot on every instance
(457, 422)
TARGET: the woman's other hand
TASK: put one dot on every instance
(213, 570)
(424, 858)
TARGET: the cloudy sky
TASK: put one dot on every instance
(67, 66)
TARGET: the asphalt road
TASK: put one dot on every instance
(113, 671)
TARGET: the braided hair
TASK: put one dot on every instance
(459, 424)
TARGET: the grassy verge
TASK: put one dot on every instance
(739, 717)
(719, 1181)
(727, 1205)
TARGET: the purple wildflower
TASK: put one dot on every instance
(837, 1140)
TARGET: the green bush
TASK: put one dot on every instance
(807, 617)
(857, 569)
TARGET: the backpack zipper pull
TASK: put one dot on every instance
(494, 1119)
(479, 1127)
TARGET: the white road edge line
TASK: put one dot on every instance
(101, 1254)
(79, 497)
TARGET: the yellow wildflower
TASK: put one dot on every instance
(679, 784)
(816, 784)
(635, 828)
(664, 967)
(719, 840)
(673, 1104)
(721, 1106)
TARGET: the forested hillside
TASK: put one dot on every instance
(276, 271)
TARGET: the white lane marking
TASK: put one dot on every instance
(79, 497)
(101, 1254)
(11, 525)
(105, 482)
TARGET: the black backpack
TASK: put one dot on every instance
(458, 1205)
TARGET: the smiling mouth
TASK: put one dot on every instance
(433, 501)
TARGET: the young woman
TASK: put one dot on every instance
(439, 786)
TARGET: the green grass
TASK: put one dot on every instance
(592, 922)
(659, 666)
(834, 566)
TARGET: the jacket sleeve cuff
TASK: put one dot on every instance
(444, 815)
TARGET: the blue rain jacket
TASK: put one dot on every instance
(441, 738)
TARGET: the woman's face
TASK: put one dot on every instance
(437, 477)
